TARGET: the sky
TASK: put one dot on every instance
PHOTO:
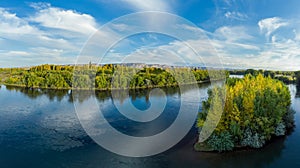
(260, 34)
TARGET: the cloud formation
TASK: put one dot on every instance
(69, 20)
(50, 34)
(13, 25)
(269, 25)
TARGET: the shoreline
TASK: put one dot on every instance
(110, 89)
(239, 148)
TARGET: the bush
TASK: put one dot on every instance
(280, 129)
(221, 142)
(253, 140)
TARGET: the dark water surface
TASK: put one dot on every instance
(39, 128)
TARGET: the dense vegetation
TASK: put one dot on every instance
(100, 77)
(297, 74)
(61, 76)
(256, 109)
(287, 77)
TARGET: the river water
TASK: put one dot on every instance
(39, 128)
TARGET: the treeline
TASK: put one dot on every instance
(103, 77)
(288, 77)
(256, 109)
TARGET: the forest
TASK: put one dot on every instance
(256, 108)
(104, 77)
(117, 76)
(287, 77)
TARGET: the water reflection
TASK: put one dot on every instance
(185, 157)
(298, 91)
(39, 128)
(46, 118)
(36, 93)
(121, 95)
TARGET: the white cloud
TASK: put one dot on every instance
(282, 53)
(55, 35)
(26, 43)
(34, 56)
(232, 33)
(236, 16)
(10, 23)
(269, 25)
(232, 38)
(14, 53)
(173, 53)
(58, 18)
(22, 31)
(150, 5)
(226, 42)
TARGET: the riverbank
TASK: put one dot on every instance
(110, 89)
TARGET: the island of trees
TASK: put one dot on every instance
(256, 109)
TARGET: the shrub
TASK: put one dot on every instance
(280, 129)
(221, 142)
(253, 140)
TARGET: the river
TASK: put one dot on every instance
(39, 128)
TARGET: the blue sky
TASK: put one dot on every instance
(245, 33)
